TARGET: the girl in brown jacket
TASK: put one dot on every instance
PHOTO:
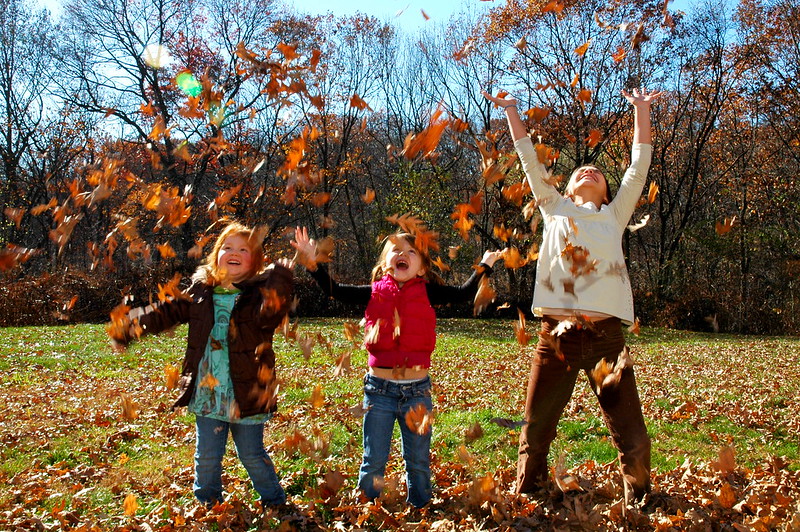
(228, 377)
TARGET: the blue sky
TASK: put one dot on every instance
(406, 14)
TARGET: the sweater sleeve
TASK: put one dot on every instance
(546, 194)
(443, 294)
(347, 293)
(626, 198)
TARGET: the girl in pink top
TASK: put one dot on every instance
(400, 335)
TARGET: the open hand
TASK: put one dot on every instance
(306, 249)
(500, 102)
(639, 96)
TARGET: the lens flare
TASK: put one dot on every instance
(188, 84)
(156, 56)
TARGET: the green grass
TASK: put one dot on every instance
(61, 388)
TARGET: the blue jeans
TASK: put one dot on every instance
(212, 435)
(387, 402)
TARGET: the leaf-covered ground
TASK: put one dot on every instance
(88, 441)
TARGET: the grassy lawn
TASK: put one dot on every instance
(70, 460)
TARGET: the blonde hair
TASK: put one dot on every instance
(210, 268)
(569, 191)
(378, 271)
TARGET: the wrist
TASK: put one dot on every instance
(506, 107)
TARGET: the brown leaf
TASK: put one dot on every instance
(474, 432)
(522, 335)
(130, 410)
(483, 297)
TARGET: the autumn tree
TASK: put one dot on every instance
(25, 78)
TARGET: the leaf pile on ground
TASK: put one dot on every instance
(89, 441)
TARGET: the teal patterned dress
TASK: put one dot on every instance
(213, 396)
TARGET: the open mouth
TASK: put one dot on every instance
(234, 262)
(401, 264)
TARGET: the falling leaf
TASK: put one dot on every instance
(14, 214)
(418, 419)
(130, 410)
(725, 226)
(581, 50)
(368, 196)
(523, 337)
(171, 377)
(130, 505)
(537, 114)
(439, 263)
(521, 44)
(651, 194)
(358, 103)
(594, 138)
(639, 37)
(584, 96)
(634, 327)
(512, 258)
(619, 55)
(209, 381)
(317, 399)
(165, 250)
(635, 227)
(473, 432)
(726, 462)
(484, 296)
(424, 14)
(554, 6)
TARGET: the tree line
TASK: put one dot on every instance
(131, 128)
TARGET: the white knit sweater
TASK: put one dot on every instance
(567, 280)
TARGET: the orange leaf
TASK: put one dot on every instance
(368, 196)
(620, 54)
(358, 103)
(439, 263)
(651, 194)
(581, 50)
(424, 14)
(594, 138)
(537, 114)
(554, 6)
(209, 381)
(418, 419)
(519, 330)
(130, 410)
(317, 399)
(584, 95)
(289, 52)
(726, 225)
(165, 250)
(130, 505)
(171, 377)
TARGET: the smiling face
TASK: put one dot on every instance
(587, 183)
(402, 261)
(234, 260)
